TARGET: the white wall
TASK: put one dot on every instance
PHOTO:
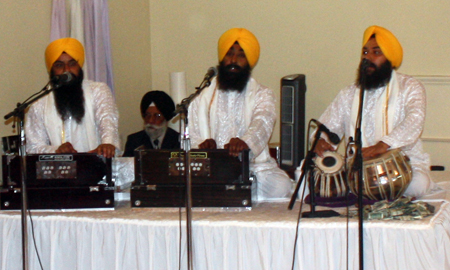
(321, 39)
(22, 67)
(25, 33)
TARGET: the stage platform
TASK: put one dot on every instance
(227, 239)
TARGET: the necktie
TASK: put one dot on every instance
(156, 143)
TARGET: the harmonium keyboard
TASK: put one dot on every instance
(217, 179)
(58, 181)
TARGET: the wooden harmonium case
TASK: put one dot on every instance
(218, 179)
(58, 181)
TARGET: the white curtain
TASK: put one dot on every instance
(89, 23)
(59, 25)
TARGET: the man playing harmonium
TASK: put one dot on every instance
(81, 116)
(393, 112)
(236, 113)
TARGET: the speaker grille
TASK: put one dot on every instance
(292, 124)
(287, 137)
(287, 110)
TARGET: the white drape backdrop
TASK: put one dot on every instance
(59, 24)
(89, 23)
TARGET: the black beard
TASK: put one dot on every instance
(380, 76)
(233, 81)
(69, 99)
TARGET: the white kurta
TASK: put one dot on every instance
(249, 115)
(408, 122)
(45, 131)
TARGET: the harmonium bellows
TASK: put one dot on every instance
(217, 179)
(58, 181)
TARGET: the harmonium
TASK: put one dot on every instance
(217, 179)
(58, 181)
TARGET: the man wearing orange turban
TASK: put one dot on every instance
(237, 113)
(393, 112)
(78, 115)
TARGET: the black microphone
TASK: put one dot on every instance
(365, 64)
(63, 79)
(333, 137)
(212, 71)
(182, 107)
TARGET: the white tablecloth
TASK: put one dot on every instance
(262, 238)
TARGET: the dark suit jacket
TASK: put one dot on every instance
(171, 141)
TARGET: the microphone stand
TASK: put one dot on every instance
(357, 166)
(19, 112)
(307, 166)
(182, 109)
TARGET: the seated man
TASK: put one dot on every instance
(157, 108)
(393, 112)
(236, 112)
(79, 117)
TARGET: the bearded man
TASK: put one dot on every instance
(157, 108)
(79, 117)
(393, 112)
(236, 112)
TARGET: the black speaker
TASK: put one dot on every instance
(292, 133)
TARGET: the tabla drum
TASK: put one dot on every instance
(329, 176)
(385, 177)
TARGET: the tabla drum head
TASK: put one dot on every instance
(329, 177)
(331, 162)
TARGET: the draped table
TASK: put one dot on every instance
(235, 239)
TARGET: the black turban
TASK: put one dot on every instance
(163, 102)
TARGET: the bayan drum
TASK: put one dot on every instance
(329, 176)
(385, 177)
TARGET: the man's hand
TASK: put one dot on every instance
(235, 146)
(107, 150)
(66, 148)
(322, 146)
(208, 144)
(375, 150)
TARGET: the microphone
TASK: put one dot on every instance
(365, 64)
(212, 71)
(182, 107)
(63, 79)
(333, 137)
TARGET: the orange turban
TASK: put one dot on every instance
(70, 46)
(388, 43)
(246, 40)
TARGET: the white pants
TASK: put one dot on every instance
(421, 183)
(271, 182)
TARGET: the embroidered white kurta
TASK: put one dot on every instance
(408, 122)
(249, 115)
(45, 131)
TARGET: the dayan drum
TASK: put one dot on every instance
(385, 177)
(329, 176)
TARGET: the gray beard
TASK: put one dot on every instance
(156, 132)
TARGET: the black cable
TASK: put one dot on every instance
(181, 176)
(298, 226)
(301, 205)
(33, 95)
(179, 240)
(34, 240)
(347, 170)
(347, 231)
